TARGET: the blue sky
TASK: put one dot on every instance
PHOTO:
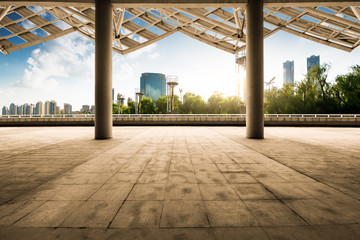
(63, 69)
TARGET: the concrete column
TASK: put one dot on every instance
(254, 70)
(103, 69)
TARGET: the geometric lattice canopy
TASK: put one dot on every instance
(27, 23)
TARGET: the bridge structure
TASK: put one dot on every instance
(125, 26)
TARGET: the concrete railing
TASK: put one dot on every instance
(186, 115)
(352, 120)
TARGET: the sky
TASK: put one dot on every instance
(63, 69)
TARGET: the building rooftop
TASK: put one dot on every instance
(179, 183)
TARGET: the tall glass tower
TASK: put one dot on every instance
(153, 85)
(312, 62)
(288, 72)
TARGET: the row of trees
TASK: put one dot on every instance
(192, 104)
(314, 94)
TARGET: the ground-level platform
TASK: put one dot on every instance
(179, 183)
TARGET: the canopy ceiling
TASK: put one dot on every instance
(336, 24)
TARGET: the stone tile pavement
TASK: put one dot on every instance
(179, 183)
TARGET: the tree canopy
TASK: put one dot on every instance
(315, 94)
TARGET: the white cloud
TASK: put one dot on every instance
(148, 49)
(63, 70)
(153, 55)
(35, 8)
(67, 57)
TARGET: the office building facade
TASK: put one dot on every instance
(5, 111)
(153, 85)
(85, 109)
(13, 109)
(39, 108)
(52, 107)
(67, 108)
(312, 62)
(288, 72)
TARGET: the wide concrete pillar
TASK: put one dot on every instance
(103, 69)
(254, 69)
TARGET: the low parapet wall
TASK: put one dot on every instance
(182, 121)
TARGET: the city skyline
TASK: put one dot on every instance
(39, 72)
(44, 108)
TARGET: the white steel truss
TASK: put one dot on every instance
(334, 25)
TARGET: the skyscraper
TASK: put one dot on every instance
(85, 109)
(25, 109)
(153, 85)
(39, 109)
(13, 109)
(52, 107)
(47, 108)
(19, 110)
(67, 108)
(5, 111)
(312, 62)
(288, 72)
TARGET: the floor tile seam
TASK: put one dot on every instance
(46, 145)
(166, 185)
(338, 210)
(202, 201)
(248, 209)
(53, 177)
(123, 202)
(236, 195)
(288, 207)
(298, 171)
(44, 202)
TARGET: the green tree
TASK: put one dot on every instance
(281, 100)
(193, 104)
(231, 105)
(177, 103)
(347, 91)
(323, 101)
(161, 105)
(215, 103)
(130, 109)
(147, 105)
(306, 95)
(115, 108)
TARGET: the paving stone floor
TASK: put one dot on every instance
(179, 183)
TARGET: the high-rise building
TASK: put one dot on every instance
(5, 111)
(92, 109)
(85, 109)
(47, 107)
(52, 107)
(13, 109)
(19, 110)
(67, 108)
(27, 109)
(312, 62)
(57, 110)
(32, 109)
(39, 109)
(288, 72)
(153, 85)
